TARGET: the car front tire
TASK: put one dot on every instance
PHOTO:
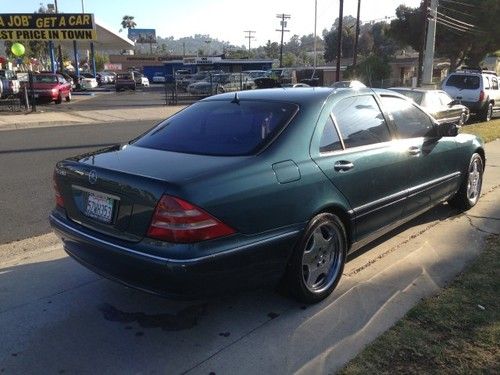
(68, 98)
(318, 259)
(470, 189)
(59, 99)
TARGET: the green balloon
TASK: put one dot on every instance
(17, 49)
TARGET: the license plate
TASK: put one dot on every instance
(99, 207)
(37, 95)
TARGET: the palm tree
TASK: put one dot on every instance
(128, 22)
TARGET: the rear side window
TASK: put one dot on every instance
(410, 121)
(330, 140)
(463, 81)
(360, 121)
(222, 128)
(494, 83)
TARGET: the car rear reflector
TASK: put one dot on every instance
(481, 96)
(178, 221)
(59, 198)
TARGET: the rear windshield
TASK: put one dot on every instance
(416, 96)
(44, 79)
(463, 81)
(222, 128)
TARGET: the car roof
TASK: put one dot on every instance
(415, 89)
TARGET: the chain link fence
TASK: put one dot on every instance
(190, 88)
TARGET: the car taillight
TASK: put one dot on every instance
(59, 198)
(176, 220)
(481, 96)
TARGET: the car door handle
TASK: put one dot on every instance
(414, 151)
(343, 165)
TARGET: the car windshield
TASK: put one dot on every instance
(463, 81)
(416, 96)
(44, 79)
(220, 128)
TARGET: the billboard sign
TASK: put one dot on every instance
(142, 35)
(113, 66)
(47, 26)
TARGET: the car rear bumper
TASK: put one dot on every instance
(238, 268)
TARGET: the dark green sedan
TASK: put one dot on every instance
(258, 187)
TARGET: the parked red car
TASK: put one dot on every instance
(51, 87)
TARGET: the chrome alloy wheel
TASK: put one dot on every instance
(475, 180)
(322, 258)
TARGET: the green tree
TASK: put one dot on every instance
(466, 32)
(272, 50)
(372, 71)
(128, 22)
(348, 35)
(100, 60)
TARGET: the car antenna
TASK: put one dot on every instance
(236, 99)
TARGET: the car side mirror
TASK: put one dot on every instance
(453, 102)
(448, 129)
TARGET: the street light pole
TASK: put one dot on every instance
(339, 40)
(355, 56)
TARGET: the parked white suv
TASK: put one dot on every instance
(477, 89)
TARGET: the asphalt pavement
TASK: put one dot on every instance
(28, 158)
(58, 317)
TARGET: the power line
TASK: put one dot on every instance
(454, 20)
(451, 26)
(458, 3)
(457, 11)
(249, 37)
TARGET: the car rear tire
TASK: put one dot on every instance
(462, 119)
(487, 112)
(68, 98)
(318, 259)
(470, 190)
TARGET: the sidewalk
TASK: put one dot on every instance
(57, 316)
(49, 119)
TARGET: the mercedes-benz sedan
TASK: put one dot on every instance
(260, 186)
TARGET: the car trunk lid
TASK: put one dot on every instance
(115, 191)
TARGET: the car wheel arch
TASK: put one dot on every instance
(344, 217)
(481, 153)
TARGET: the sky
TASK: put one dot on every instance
(225, 20)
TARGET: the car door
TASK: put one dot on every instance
(432, 162)
(353, 147)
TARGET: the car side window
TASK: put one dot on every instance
(494, 83)
(410, 121)
(330, 140)
(445, 99)
(487, 83)
(360, 121)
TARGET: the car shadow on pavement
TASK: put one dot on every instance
(58, 316)
(432, 217)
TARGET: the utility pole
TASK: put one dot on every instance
(425, 5)
(429, 43)
(283, 23)
(355, 56)
(315, 47)
(339, 40)
(249, 37)
(59, 49)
